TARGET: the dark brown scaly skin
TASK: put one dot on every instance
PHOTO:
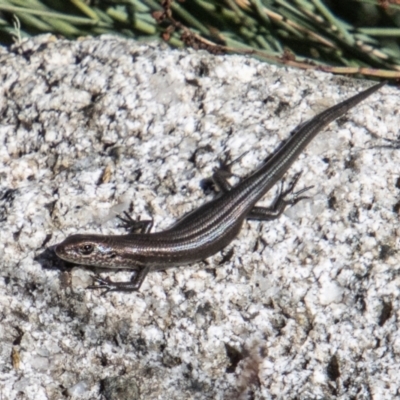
(211, 227)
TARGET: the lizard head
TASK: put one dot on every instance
(90, 250)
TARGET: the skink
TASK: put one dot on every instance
(206, 230)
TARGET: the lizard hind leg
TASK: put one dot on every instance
(283, 199)
(223, 173)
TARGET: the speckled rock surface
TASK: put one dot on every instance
(306, 307)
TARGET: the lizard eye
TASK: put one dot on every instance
(86, 249)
